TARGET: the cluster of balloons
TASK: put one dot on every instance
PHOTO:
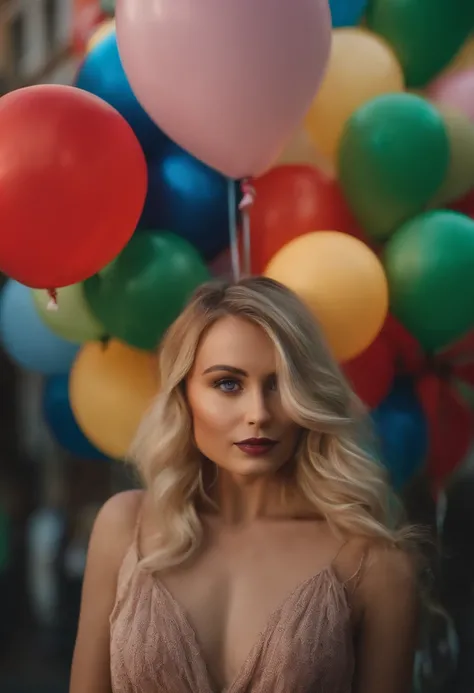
(117, 208)
(364, 204)
(369, 216)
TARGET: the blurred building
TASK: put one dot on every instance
(47, 499)
(41, 41)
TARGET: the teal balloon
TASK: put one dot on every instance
(145, 288)
(393, 157)
(346, 12)
(101, 73)
(424, 34)
(429, 265)
(26, 339)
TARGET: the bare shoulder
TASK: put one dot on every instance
(115, 523)
(389, 599)
(120, 510)
(374, 569)
(111, 536)
(389, 581)
(390, 567)
(376, 560)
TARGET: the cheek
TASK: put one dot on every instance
(292, 434)
(209, 412)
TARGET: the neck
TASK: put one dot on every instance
(241, 500)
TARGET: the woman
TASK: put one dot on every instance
(260, 557)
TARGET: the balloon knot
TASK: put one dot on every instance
(53, 300)
(248, 195)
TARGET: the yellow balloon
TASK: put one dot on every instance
(463, 60)
(361, 67)
(110, 388)
(74, 319)
(103, 30)
(301, 150)
(460, 175)
(343, 283)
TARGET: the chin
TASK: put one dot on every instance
(254, 467)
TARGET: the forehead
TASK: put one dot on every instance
(234, 341)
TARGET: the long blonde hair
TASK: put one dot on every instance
(333, 468)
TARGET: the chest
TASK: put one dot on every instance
(242, 586)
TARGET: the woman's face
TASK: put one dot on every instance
(238, 418)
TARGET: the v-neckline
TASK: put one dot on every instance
(185, 623)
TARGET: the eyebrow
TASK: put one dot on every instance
(227, 369)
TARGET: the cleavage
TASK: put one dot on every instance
(230, 593)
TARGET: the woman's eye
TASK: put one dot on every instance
(273, 384)
(228, 385)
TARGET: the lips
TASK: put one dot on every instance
(256, 446)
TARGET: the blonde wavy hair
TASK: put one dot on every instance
(333, 469)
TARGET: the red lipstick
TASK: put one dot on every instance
(254, 447)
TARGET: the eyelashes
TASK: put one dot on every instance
(232, 386)
(228, 385)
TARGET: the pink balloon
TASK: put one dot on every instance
(228, 80)
(456, 90)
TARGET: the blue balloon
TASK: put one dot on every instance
(402, 430)
(60, 419)
(102, 74)
(347, 12)
(188, 198)
(26, 339)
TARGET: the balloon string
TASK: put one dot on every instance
(233, 234)
(53, 300)
(248, 199)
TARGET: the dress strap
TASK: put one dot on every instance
(339, 551)
(126, 572)
(355, 552)
(128, 567)
(137, 529)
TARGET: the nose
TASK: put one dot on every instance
(257, 407)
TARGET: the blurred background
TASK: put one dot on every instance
(53, 480)
(48, 498)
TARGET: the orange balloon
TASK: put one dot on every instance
(361, 66)
(110, 388)
(459, 178)
(301, 150)
(464, 59)
(343, 283)
(290, 202)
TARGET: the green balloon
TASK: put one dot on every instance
(73, 320)
(145, 288)
(429, 264)
(393, 157)
(465, 391)
(108, 7)
(425, 34)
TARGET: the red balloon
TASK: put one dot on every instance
(450, 425)
(461, 351)
(73, 181)
(408, 354)
(291, 201)
(371, 374)
(464, 372)
(457, 361)
(461, 359)
(465, 205)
